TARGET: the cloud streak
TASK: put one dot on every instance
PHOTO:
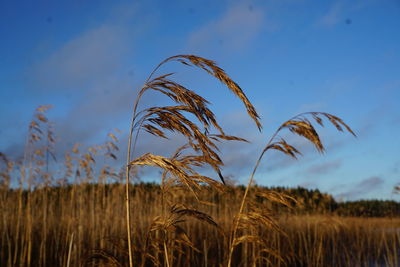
(89, 74)
(82, 61)
(236, 28)
(333, 16)
(323, 168)
(363, 187)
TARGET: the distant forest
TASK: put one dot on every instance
(315, 202)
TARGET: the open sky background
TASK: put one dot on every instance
(88, 59)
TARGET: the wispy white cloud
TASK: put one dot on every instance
(82, 60)
(236, 28)
(333, 16)
(82, 67)
(362, 188)
(90, 71)
(323, 168)
(342, 11)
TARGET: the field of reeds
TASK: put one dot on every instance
(84, 225)
(82, 213)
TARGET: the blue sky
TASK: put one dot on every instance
(341, 57)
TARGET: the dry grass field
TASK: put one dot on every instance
(84, 225)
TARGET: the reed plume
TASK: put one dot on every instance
(299, 125)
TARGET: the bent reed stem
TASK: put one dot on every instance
(127, 180)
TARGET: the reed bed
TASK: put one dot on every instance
(84, 224)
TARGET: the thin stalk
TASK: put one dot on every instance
(127, 182)
(128, 160)
(127, 205)
(70, 250)
(236, 224)
(166, 254)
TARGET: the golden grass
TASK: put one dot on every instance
(84, 223)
